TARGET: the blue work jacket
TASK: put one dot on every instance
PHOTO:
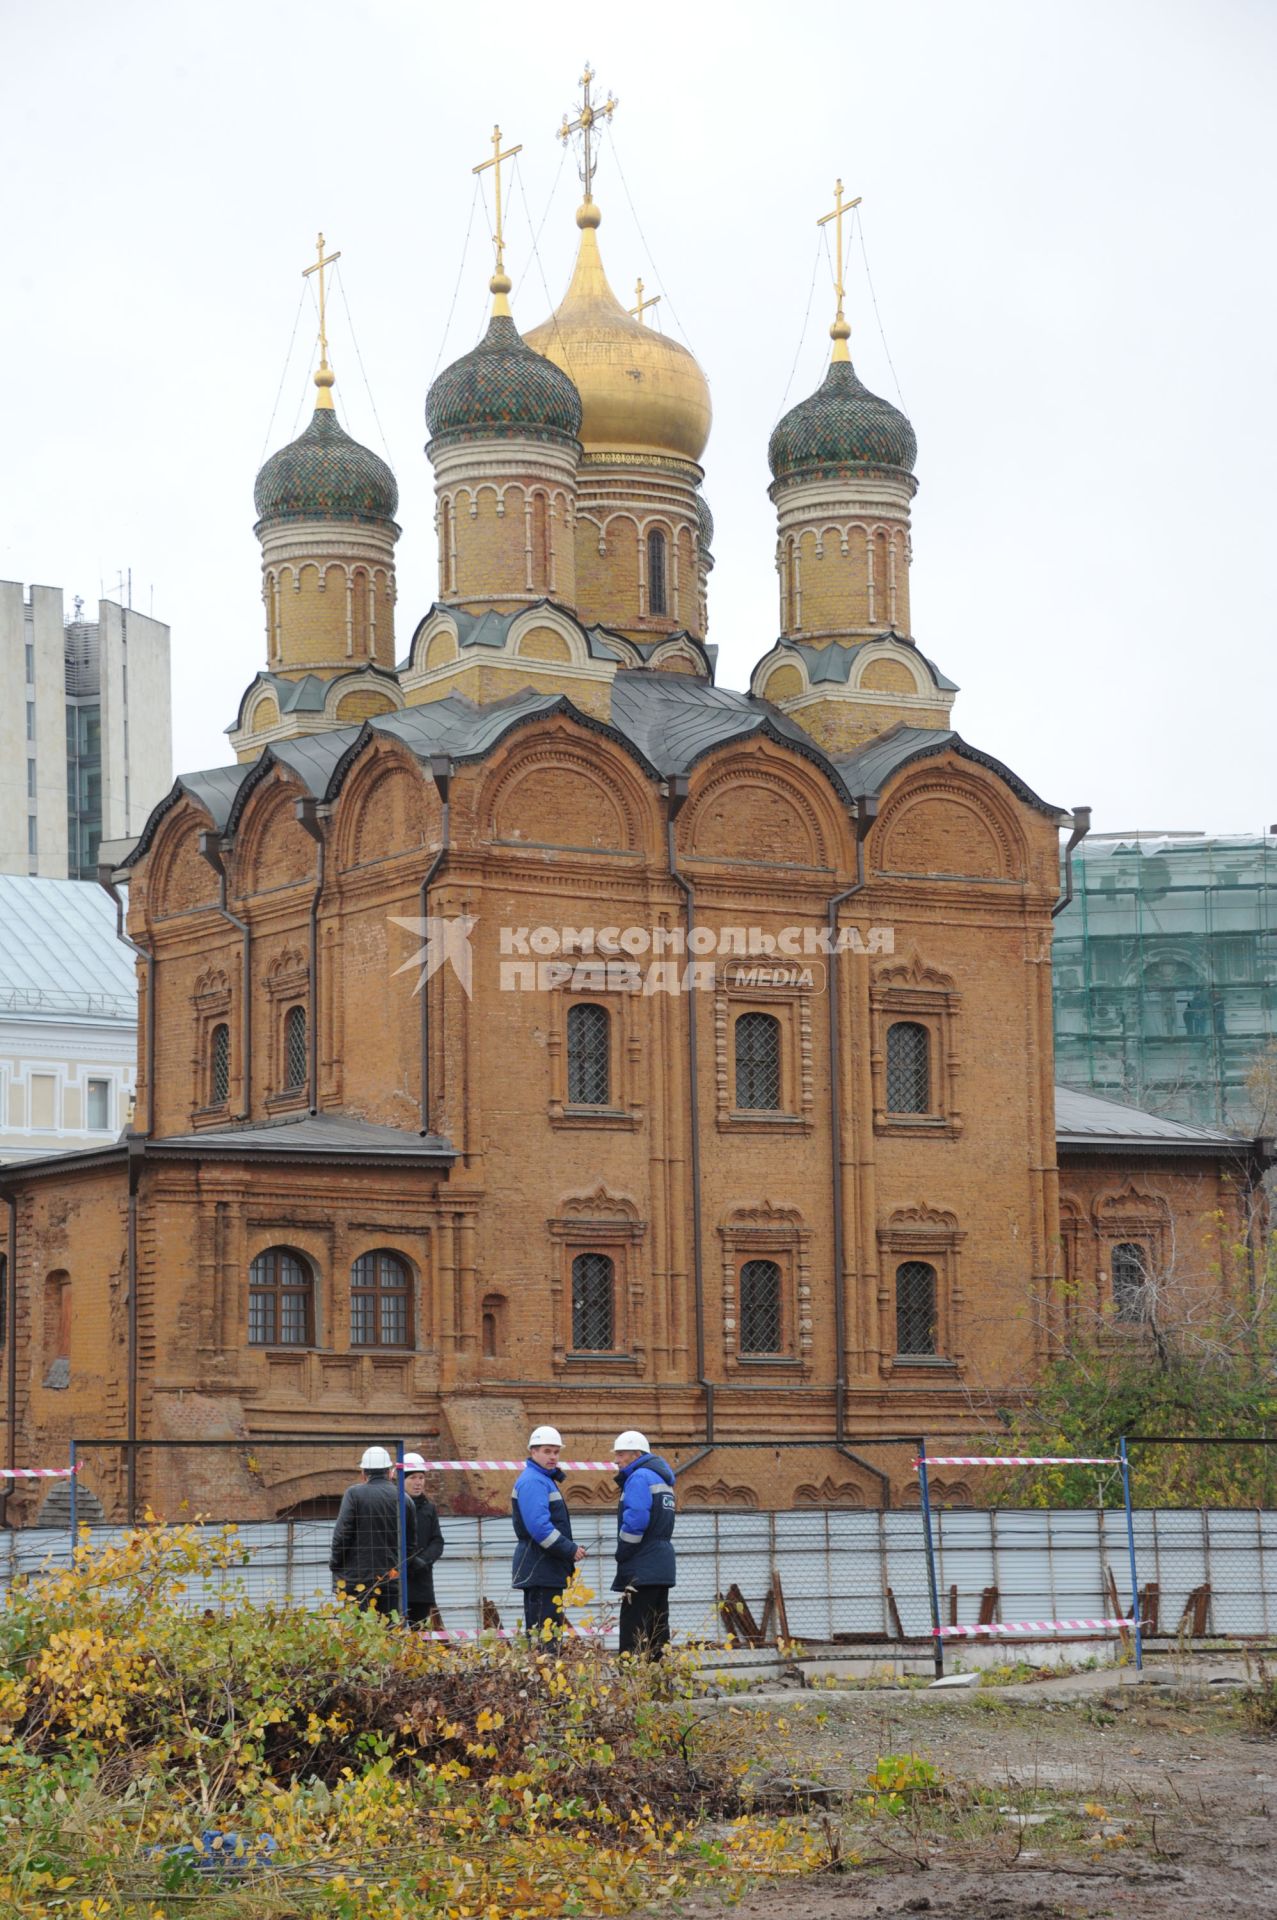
(544, 1552)
(645, 1525)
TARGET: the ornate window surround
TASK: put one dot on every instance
(625, 1108)
(791, 1005)
(599, 1222)
(911, 990)
(212, 1003)
(1129, 1216)
(768, 1232)
(287, 984)
(931, 1234)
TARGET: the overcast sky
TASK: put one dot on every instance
(1068, 222)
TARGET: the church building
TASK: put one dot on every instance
(532, 1028)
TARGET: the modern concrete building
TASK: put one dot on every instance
(86, 741)
(68, 1018)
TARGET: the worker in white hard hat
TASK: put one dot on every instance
(365, 1548)
(644, 1544)
(429, 1549)
(545, 1554)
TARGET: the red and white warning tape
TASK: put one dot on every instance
(511, 1466)
(1017, 1460)
(38, 1473)
(1033, 1626)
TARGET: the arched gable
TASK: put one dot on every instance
(272, 849)
(178, 878)
(556, 786)
(949, 821)
(759, 804)
(387, 807)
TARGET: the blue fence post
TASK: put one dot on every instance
(932, 1586)
(74, 1504)
(403, 1537)
(1130, 1542)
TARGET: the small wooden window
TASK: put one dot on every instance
(657, 597)
(593, 1310)
(281, 1300)
(380, 1301)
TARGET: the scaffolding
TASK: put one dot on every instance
(1165, 976)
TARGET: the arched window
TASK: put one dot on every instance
(758, 1061)
(359, 611)
(493, 1326)
(915, 1307)
(540, 543)
(281, 1300)
(380, 1301)
(908, 1068)
(657, 598)
(588, 1055)
(592, 1315)
(295, 1051)
(219, 1065)
(760, 1318)
(1130, 1277)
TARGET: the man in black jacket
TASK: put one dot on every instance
(421, 1565)
(365, 1551)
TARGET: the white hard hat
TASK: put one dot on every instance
(375, 1457)
(545, 1437)
(413, 1463)
(631, 1441)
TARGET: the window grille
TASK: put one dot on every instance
(281, 1300)
(592, 1317)
(915, 1307)
(758, 1061)
(588, 1050)
(380, 1294)
(220, 1076)
(908, 1068)
(656, 596)
(1130, 1277)
(295, 1053)
(760, 1318)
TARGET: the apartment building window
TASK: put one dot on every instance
(30, 664)
(99, 1106)
(33, 842)
(30, 719)
(31, 780)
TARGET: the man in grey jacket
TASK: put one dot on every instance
(364, 1559)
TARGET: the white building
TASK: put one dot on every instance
(68, 1018)
(86, 738)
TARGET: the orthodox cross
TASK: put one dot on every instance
(638, 311)
(840, 330)
(325, 398)
(588, 117)
(495, 163)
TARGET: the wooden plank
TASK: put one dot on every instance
(894, 1611)
(988, 1607)
(778, 1595)
(1117, 1608)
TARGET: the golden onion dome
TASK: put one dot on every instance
(640, 391)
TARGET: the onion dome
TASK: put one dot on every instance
(325, 475)
(503, 390)
(641, 392)
(842, 425)
(704, 522)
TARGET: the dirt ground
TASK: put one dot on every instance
(1142, 1801)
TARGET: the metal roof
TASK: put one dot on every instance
(869, 768)
(309, 1134)
(59, 954)
(1088, 1119)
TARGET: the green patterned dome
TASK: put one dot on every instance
(505, 390)
(325, 475)
(704, 522)
(842, 425)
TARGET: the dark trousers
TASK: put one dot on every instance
(645, 1620)
(539, 1605)
(423, 1612)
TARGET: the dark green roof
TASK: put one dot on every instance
(325, 475)
(704, 522)
(842, 425)
(505, 390)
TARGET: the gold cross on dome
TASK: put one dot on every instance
(637, 312)
(587, 118)
(840, 330)
(324, 378)
(498, 237)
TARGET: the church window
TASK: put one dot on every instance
(380, 1301)
(540, 544)
(589, 1049)
(359, 612)
(295, 1051)
(220, 1065)
(592, 1303)
(1129, 1268)
(915, 1307)
(908, 1068)
(760, 1314)
(758, 1062)
(281, 1300)
(657, 597)
(493, 1326)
